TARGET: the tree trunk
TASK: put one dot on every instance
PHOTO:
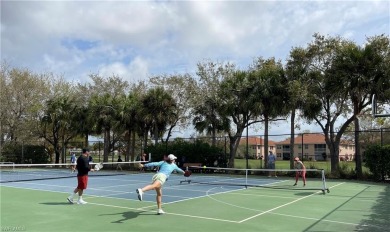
(334, 157)
(358, 157)
(133, 146)
(106, 149)
(155, 135)
(292, 140)
(266, 121)
(85, 140)
(145, 142)
(233, 145)
(214, 139)
(57, 152)
(128, 145)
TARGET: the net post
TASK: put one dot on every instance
(246, 178)
(324, 188)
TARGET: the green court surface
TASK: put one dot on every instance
(350, 206)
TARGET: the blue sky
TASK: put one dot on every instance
(138, 39)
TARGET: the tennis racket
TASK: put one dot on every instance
(98, 166)
(187, 173)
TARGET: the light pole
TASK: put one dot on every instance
(302, 146)
(261, 153)
(247, 148)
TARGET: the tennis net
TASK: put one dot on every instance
(10, 172)
(265, 178)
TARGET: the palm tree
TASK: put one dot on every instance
(105, 110)
(58, 124)
(269, 81)
(207, 119)
(128, 113)
(158, 109)
(360, 73)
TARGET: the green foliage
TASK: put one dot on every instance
(378, 161)
(346, 171)
(28, 153)
(194, 151)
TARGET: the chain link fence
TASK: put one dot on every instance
(251, 149)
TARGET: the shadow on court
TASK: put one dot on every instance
(379, 214)
(128, 215)
(55, 203)
(303, 194)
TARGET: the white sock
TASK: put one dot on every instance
(72, 195)
(80, 198)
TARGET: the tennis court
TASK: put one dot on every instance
(41, 205)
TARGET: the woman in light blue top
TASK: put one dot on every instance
(166, 167)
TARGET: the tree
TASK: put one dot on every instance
(105, 110)
(22, 96)
(270, 93)
(360, 72)
(105, 107)
(58, 125)
(298, 90)
(182, 90)
(130, 120)
(207, 99)
(238, 107)
(159, 111)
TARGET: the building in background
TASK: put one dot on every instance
(255, 147)
(313, 147)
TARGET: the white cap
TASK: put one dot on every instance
(172, 157)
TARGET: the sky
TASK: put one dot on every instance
(139, 39)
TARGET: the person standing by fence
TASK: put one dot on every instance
(271, 163)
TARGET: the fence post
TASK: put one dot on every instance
(381, 137)
(22, 161)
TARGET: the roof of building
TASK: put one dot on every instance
(307, 139)
(256, 141)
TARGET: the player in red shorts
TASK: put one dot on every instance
(82, 177)
(301, 172)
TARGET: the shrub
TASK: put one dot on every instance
(193, 152)
(18, 153)
(346, 172)
(378, 161)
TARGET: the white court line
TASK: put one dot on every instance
(184, 215)
(299, 199)
(85, 196)
(72, 187)
(90, 196)
(260, 195)
(176, 214)
(188, 199)
(143, 208)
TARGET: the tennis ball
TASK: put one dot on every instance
(204, 166)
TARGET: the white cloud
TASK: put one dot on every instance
(135, 71)
(139, 38)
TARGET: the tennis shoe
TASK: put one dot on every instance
(295, 184)
(81, 202)
(70, 199)
(160, 211)
(140, 193)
